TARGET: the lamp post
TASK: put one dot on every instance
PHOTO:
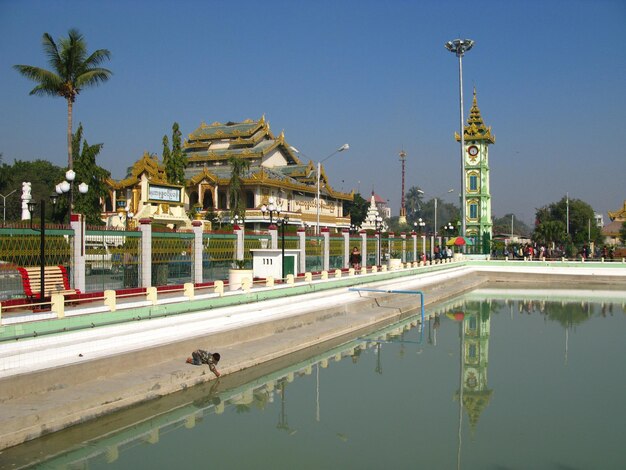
(460, 47)
(419, 225)
(319, 169)
(436, 199)
(67, 187)
(4, 206)
(283, 222)
(271, 209)
(129, 217)
(42, 239)
(379, 225)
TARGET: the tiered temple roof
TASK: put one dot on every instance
(475, 129)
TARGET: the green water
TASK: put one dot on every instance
(543, 388)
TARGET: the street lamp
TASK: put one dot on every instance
(460, 47)
(419, 225)
(283, 222)
(379, 224)
(271, 208)
(67, 186)
(42, 239)
(436, 199)
(319, 169)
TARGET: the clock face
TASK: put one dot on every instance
(472, 150)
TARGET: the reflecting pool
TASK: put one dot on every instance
(506, 382)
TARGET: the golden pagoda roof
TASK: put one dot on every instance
(619, 214)
(475, 129)
(148, 163)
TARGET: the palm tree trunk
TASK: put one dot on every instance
(70, 106)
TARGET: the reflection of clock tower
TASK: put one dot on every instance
(475, 395)
(477, 138)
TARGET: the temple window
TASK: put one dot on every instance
(249, 199)
(473, 211)
(473, 183)
(207, 199)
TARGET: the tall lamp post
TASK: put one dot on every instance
(283, 222)
(319, 169)
(42, 239)
(379, 226)
(460, 47)
(67, 187)
(271, 209)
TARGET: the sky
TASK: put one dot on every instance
(549, 75)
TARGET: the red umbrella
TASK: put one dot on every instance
(459, 241)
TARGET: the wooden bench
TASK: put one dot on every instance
(56, 281)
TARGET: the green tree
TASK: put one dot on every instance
(72, 70)
(413, 204)
(87, 171)
(238, 167)
(43, 177)
(578, 214)
(175, 160)
(503, 225)
(356, 209)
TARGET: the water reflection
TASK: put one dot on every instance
(468, 318)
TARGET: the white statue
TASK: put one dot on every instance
(26, 198)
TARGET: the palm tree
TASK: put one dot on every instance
(72, 70)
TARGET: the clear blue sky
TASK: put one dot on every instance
(550, 77)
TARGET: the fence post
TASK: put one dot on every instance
(326, 249)
(110, 300)
(346, 247)
(302, 248)
(414, 237)
(77, 223)
(239, 243)
(403, 237)
(145, 254)
(363, 234)
(273, 230)
(197, 228)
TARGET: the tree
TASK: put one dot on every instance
(89, 172)
(175, 160)
(238, 167)
(503, 225)
(577, 214)
(43, 177)
(413, 203)
(357, 210)
(550, 232)
(72, 70)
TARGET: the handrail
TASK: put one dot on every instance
(393, 291)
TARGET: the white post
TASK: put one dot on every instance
(239, 242)
(403, 237)
(145, 254)
(346, 247)
(414, 236)
(363, 234)
(77, 224)
(302, 248)
(197, 228)
(326, 249)
(273, 230)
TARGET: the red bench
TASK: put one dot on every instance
(56, 281)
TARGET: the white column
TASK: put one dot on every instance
(145, 254)
(197, 250)
(77, 223)
(326, 249)
(273, 230)
(346, 247)
(414, 237)
(363, 234)
(239, 242)
(302, 248)
(403, 237)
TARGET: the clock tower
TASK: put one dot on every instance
(477, 139)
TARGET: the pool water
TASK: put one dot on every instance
(486, 383)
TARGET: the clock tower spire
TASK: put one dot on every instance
(477, 139)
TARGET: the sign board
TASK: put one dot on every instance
(163, 193)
